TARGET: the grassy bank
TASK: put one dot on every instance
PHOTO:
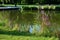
(11, 37)
(15, 35)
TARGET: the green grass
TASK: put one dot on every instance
(13, 37)
(16, 35)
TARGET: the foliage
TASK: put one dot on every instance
(15, 20)
(11, 37)
(30, 1)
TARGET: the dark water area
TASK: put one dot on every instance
(29, 20)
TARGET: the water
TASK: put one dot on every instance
(23, 21)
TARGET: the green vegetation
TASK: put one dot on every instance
(31, 23)
(30, 2)
(11, 37)
(14, 25)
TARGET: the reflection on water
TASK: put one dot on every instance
(29, 20)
